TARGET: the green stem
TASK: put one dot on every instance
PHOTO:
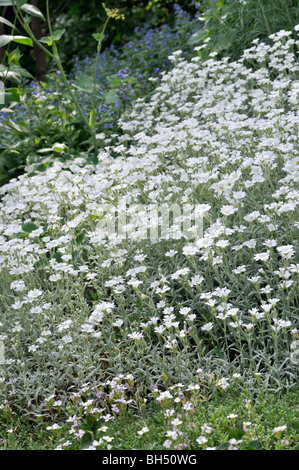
(21, 19)
(96, 64)
(65, 80)
(64, 77)
(265, 17)
(7, 50)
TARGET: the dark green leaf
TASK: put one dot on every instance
(56, 37)
(236, 433)
(58, 34)
(21, 71)
(86, 440)
(200, 35)
(58, 258)
(84, 83)
(80, 238)
(5, 21)
(12, 94)
(98, 36)
(100, 423)
(23, 40)
(114, 80)
(110, 97)
(22, 235)
(29, 227)
(16, 127)
(254, 445)
(33, 11)
(223, 446)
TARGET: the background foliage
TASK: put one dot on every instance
(232, 25)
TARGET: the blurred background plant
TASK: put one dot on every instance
(230, 26)
(121, 76)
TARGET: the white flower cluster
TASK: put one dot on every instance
(218, 135)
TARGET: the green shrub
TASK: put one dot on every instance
(232, 25)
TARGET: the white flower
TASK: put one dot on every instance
(167, 444)
(185, 310)
(190, 250)
(67, 339)
(97, 316)
(136, 335)
(18, 286)
(222, 243)
(134, 283)
(144, 430)
(201, 440)
(64, 325)
(176, 422)
(171, 253)
(232, 416)
(262, 256)
(87, 328)
(207, 327)
(54, 427)
(206, 429)
(34, 294)
(172, 434)
(159, 329)
(286, 251)
(55, 277)
(228, 210)
(234, 444)
(246, 426)
(222, 383)
(278, 430)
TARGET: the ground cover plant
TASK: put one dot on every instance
(150, 300)
(231, 422)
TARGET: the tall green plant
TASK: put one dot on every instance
(23, 11)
